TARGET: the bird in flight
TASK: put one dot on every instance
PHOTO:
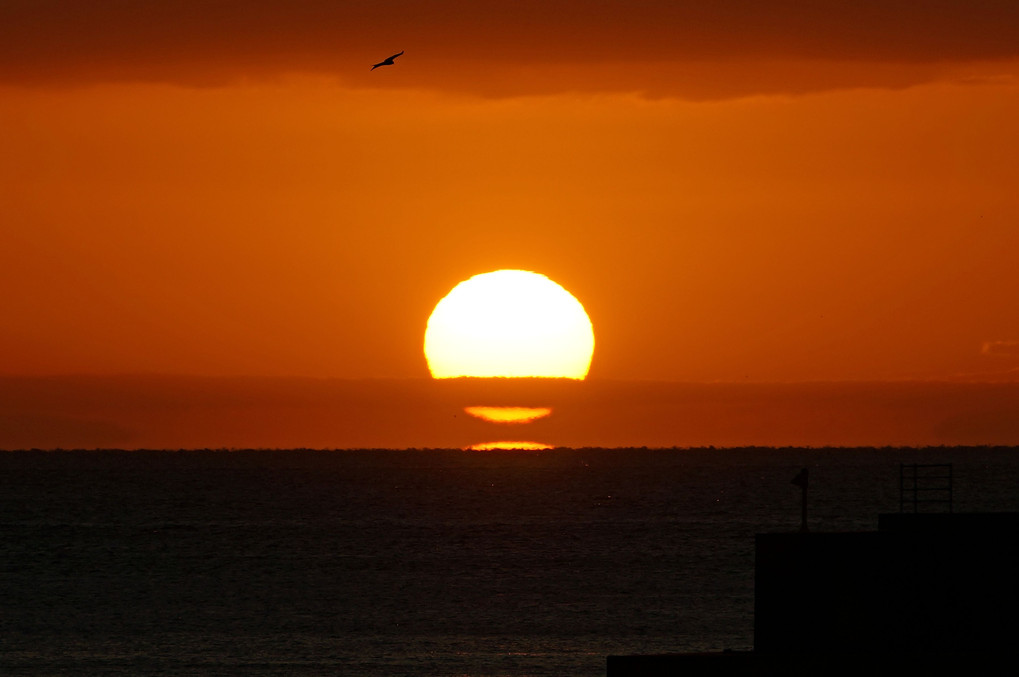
(386, 62)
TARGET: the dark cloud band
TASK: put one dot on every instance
(522, 46)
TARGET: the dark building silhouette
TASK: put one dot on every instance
(927, 593)
(920, 583)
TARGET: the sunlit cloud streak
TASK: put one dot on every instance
(1001, 348)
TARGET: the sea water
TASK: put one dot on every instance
(414, 562)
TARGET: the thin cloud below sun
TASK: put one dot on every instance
(1001, 348)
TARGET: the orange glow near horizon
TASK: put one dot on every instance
(510, 446)
(509, 414)
(749, 201)
(812, 238)
(740, 192)
(509, 323)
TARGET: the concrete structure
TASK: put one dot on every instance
(927, 593)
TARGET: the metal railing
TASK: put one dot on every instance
(921, 484)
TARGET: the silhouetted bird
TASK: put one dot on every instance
(387, 62)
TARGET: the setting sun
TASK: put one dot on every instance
(509, 323)
(298, 335)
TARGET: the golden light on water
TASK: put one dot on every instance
(509, 323)
(509, 414)
(508, 446)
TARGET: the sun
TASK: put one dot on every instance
(509, 323)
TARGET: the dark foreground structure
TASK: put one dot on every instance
(926, 594)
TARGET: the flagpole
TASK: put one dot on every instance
(801, 481)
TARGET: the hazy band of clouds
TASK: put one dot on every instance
(160, 412)
(666, 47)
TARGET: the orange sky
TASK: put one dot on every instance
(764, 191)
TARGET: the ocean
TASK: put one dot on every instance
(414, 562)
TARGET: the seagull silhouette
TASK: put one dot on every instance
(386, 62)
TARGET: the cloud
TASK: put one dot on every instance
(195, 413)
(1001, 348)
(1006, 376)
(43, 431)
(506, 47)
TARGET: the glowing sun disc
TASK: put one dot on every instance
(509, 323)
